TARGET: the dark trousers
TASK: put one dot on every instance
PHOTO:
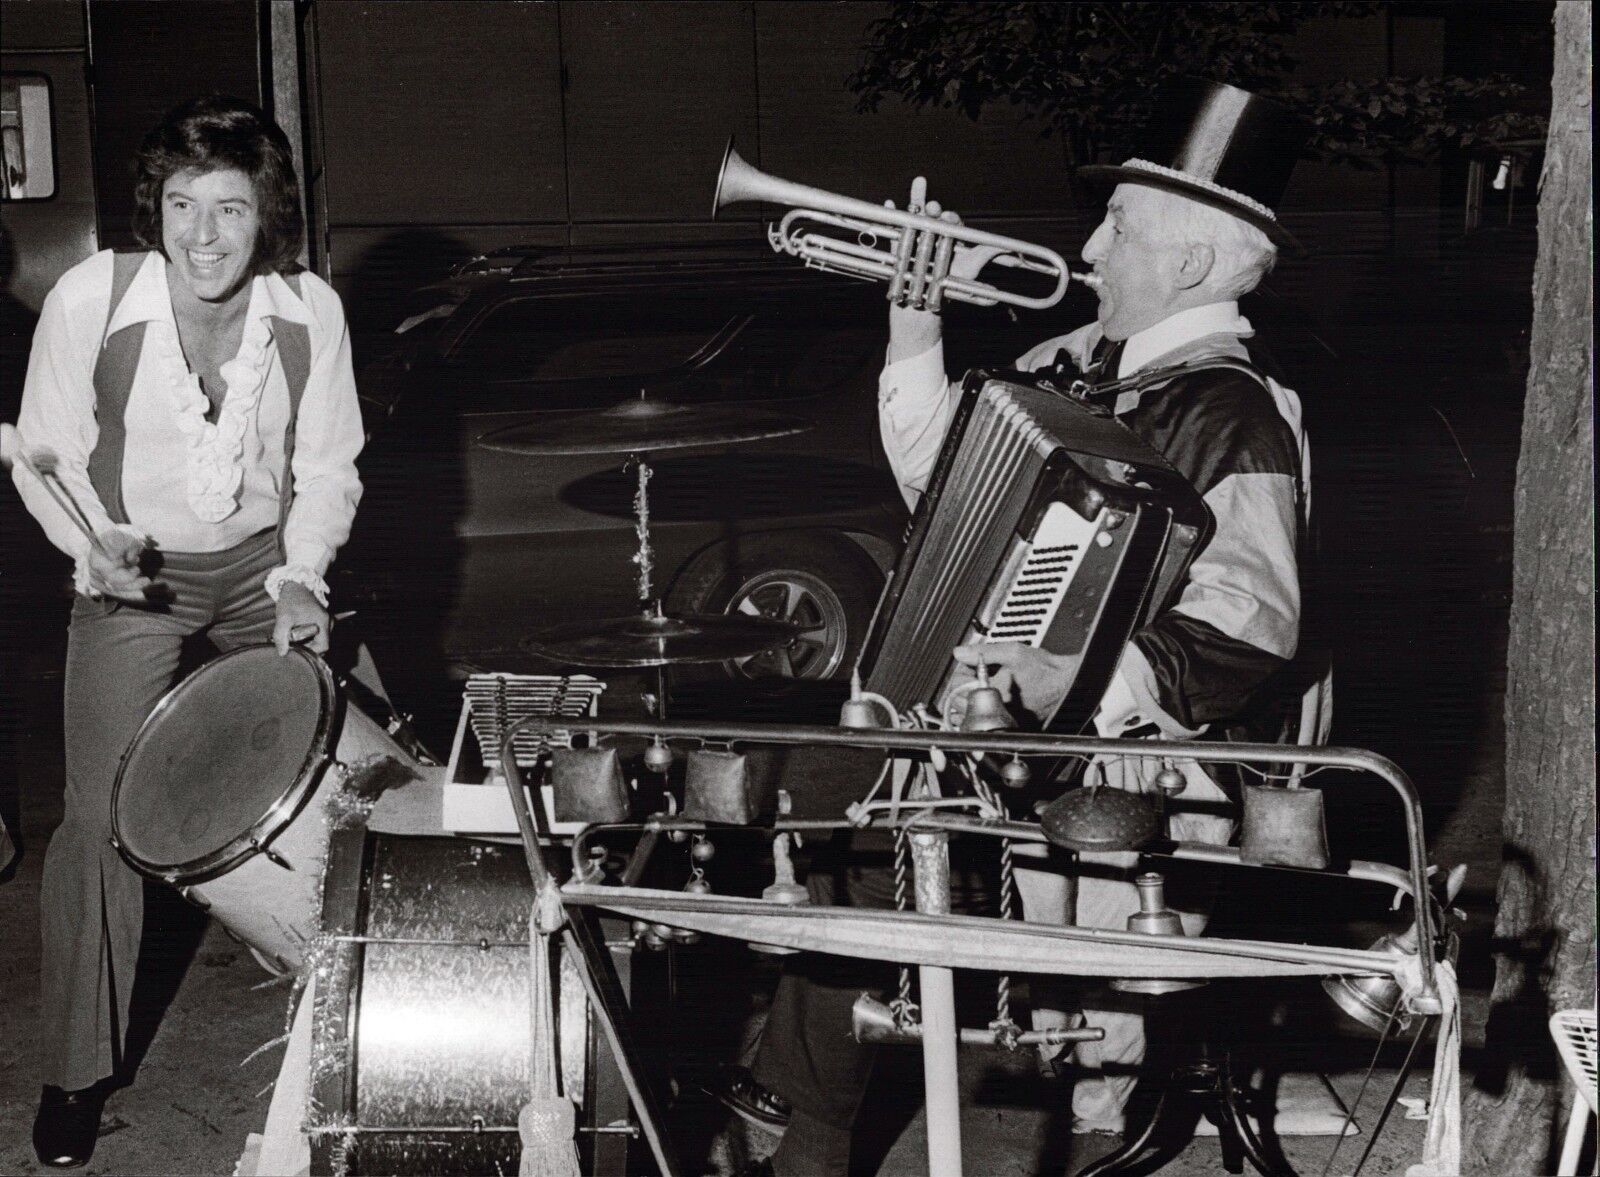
(808, 1054)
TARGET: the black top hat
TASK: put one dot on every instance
(1222, 146)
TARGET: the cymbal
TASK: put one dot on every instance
(649, 639)
(646, 425)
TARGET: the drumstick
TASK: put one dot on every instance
(42, 465)
(307, 630)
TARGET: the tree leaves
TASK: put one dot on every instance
(1090, 71)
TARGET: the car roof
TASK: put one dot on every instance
(523, 271)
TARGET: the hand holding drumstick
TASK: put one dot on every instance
(114, 555)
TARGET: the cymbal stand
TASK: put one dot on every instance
(645, 559)
(1201, 1084)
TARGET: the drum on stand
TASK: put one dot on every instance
(420, 1032)
(232, 786)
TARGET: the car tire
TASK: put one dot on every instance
(826, 583)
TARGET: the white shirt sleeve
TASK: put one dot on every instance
(915, 404)
(328, 438)
(57, 415)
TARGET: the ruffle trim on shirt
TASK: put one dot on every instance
(215, 450)
(299, 574)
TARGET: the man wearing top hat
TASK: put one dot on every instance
(1188, 230)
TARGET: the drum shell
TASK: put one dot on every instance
(420, 1040)
(263, 765)
(274, 909)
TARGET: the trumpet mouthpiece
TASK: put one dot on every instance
(10, 444)
(1091, 280)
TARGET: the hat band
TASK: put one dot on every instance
(1255, 206)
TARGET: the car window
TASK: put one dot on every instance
(553, 339)
(768, 361)
(590, 352)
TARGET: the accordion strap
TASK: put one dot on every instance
(1143, 381)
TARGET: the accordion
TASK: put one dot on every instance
(1045, 522)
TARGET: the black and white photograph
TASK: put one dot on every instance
(797, 588)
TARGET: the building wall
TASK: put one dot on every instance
(149, 55)
(450, 130)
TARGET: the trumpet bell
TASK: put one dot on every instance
(733, 180)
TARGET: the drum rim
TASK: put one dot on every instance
(276, 817)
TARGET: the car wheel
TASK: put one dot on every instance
(827, 586)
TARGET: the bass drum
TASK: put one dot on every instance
(233, 784)
(420, 1038)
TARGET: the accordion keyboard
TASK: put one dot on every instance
(1045, 523)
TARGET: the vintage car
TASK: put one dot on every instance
(465, 547)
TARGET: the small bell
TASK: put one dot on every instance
(858, 713)
(1169, 780)
(783, 889)
(1016, 774)
(702, 851)
(658, 757)
(986, 709)
(860, 709)
(662, 934)
(1155, 918)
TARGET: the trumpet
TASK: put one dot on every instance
(911, 249)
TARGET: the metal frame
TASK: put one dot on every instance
(938, 941)
(1006, 744)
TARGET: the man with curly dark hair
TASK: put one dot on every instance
(199, 403)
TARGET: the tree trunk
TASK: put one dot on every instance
(1544, 927)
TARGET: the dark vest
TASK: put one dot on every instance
(118, 362)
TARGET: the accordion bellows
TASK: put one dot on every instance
(1045, 522)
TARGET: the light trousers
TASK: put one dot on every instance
(121, 660)
(1098, 891)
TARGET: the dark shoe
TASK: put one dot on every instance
(736, 1089)
(68, 1122)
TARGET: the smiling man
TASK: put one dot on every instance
(1180, 243)
(198, 402)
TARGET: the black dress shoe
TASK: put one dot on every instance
(736, 1089)
(68, 1122)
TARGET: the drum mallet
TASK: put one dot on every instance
(41, 463)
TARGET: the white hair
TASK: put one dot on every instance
(1244, 255)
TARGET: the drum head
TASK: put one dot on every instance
(226, 757)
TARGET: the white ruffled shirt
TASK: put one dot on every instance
(188, 484)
